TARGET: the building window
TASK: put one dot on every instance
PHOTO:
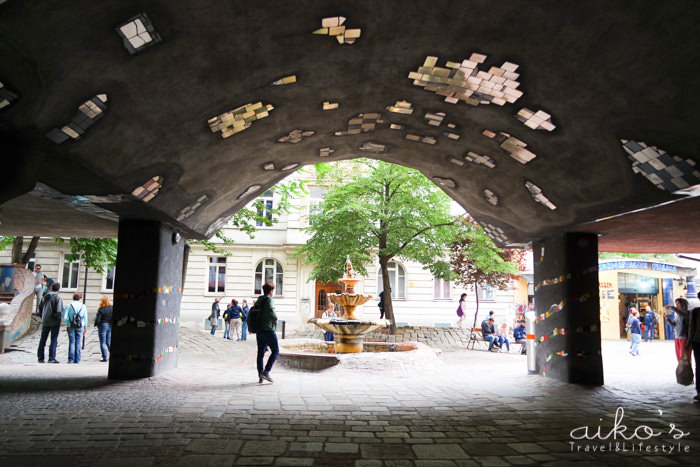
(486, 293)
(266, 209)
(268, 270)
(108, 280)
(69, 277)
(316, 194)
(397, 280)
(442, 289)
(217, 274)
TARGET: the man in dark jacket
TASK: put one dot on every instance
(520, 335)
(488, 332)
(51, 308)
(694, 344)
(266, 335)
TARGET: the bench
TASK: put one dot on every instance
(475, 336)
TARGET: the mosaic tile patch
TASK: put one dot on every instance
(401, 107)
(456, 161)
(6, 96)
(295, 136)
(78, 202)
(445, 182)
(88, 113)
(434, 119)
(187, 211)
(148, 190)
(330, 105)
(514, 147)
(464, 81)
(375, 148)
(490, 196)
(268, 166)
(537, 120)
(291, 166)
(538, 196)
(475, 158)
(334, 27)
(363, 123)
(286, 80)
(325, 152)
(670, 173)
(138, 33)
(421, 138)
(496, 233)
(239, 119)
(249, 191)
(395, 126)
(451, 135)
(218, 224)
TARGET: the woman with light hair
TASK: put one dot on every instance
(103, 321)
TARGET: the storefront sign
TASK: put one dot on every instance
(648, 265)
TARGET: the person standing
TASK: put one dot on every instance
(381, 305)
(215, 313)
(650, 320)
(244, 320)
(235, 317)
(51, 309)
(266, 335)
(462, 308)
(75, 317)
(694, 344)
(635, 330)
(38, 287)
(227, 321)
(680, 325)
(103, 321)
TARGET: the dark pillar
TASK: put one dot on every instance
(567, 328)
(147, 293)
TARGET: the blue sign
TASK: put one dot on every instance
(648, 265)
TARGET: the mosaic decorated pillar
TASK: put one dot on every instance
(567, 325)
(147, 293)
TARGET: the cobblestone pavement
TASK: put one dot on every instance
(461, 408)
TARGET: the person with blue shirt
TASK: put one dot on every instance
(650, 321)
(244, 318)
(77, 327)
(520, 335)
(635, 329)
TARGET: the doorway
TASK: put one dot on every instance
(323, 289)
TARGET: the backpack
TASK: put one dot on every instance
(253, 319)
(77, 320)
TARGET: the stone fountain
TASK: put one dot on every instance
(347, 330)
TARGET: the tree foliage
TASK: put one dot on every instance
(477, 261)
(99, 254)
(378, 207)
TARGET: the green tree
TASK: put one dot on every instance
(17, 245)
(477, 261)
(374, 206)
(100, 254)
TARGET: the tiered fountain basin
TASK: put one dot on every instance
(348, 333)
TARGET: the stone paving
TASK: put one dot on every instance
(459, 408)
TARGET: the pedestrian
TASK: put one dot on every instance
(38, 286)
(329, 313)
(235, 317)
(381, 305)
(75, 317)
(461, 308)
(650, 320)
(266, 335)
(635, 330)
(680, 325)
(103, 321)
(694, 344)
(215, 313)
(227, 321)
(244, 319)
(51, 309)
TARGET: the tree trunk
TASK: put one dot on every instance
(17, 250)
(476, 296)
(85, 284)
(386, 287)
(30, 250)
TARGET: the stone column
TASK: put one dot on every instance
(147, 293)
(567, 327)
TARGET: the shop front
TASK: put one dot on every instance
(640, 284)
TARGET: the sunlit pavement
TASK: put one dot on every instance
(464, 407)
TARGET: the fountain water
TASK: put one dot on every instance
(348, 331)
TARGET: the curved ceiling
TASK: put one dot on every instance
(537, 117)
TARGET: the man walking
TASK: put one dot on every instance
(215, 313)
(266, 335)
(51, 308)
(75, 316)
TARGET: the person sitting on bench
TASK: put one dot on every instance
(489, 333)
(519, 335)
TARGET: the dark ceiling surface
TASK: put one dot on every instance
(603, 72)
